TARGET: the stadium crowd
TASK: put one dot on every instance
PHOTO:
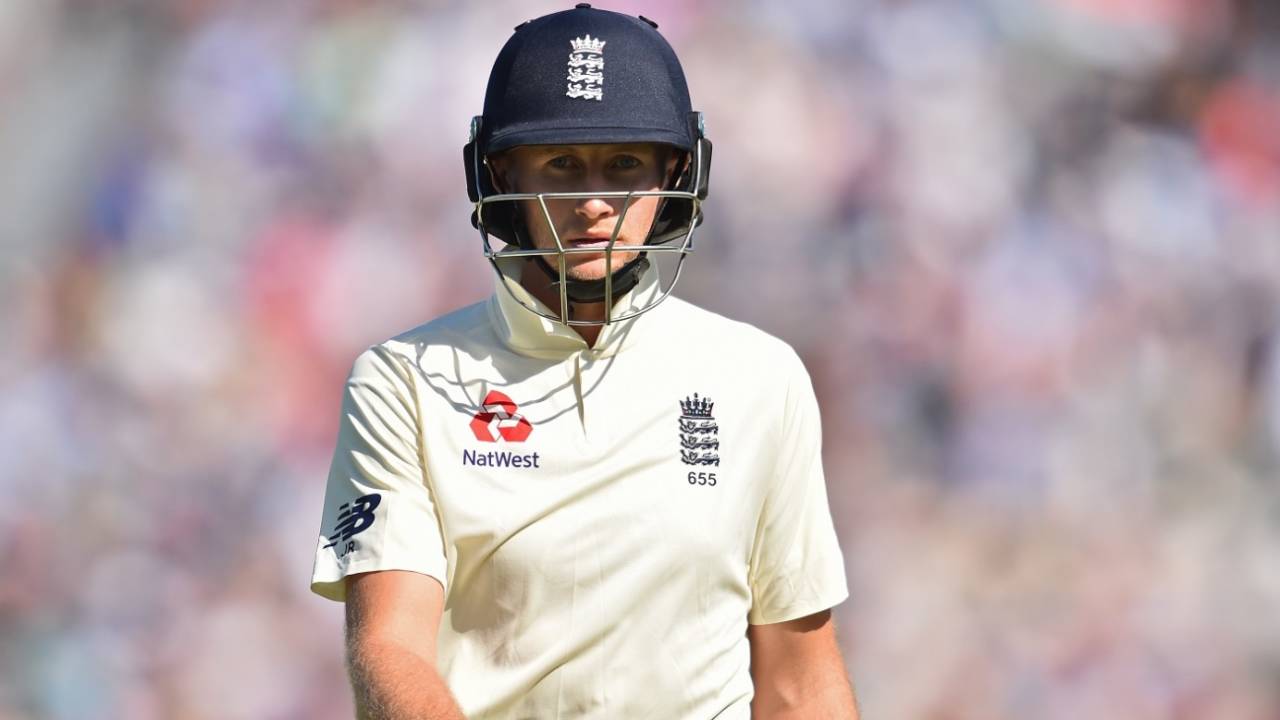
(1029, 249)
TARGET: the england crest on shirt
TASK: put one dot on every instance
(699, 434)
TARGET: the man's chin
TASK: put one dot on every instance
(595, 269)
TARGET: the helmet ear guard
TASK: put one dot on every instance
(471, 162)
(499, 218)
(702, 155)
(675, 218)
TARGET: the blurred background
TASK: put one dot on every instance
(1029, 250)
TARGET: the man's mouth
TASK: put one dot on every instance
(588, 242)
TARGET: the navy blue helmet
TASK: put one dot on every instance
(588, 76)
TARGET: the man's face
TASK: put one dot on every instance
(586, 222)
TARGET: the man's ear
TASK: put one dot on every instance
(676, 163)
(502, 172)
(497, 166)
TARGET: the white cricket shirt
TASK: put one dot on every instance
(605, 522)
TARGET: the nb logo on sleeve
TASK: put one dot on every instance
(353, 518)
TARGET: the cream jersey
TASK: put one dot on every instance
(605, 521)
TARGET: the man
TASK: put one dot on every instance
(583, 498)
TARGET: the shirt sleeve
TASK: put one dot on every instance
(379, 513)
(797, 568)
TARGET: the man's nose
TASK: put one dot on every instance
(594, 208)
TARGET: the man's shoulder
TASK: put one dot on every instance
(464, 328)
(699, 326)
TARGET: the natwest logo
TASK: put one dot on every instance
(499, 419)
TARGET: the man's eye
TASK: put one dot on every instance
(562, 162)
(626, 162)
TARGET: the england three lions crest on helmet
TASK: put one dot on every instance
(586, 68)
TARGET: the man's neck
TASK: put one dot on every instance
(540, 286)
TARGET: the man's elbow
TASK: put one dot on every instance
(798, 671)
(830, 702)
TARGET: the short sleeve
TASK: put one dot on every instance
(378, 508)
(797, 568)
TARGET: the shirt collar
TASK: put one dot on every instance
(528, 333)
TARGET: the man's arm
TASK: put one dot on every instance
(392, 620)
(798, 672)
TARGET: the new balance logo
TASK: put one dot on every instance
(353, 518)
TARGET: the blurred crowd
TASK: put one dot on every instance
(1029, 249)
